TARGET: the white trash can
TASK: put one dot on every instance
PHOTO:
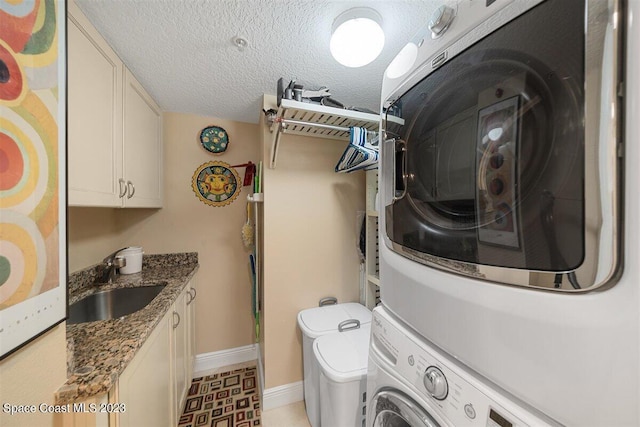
(316, 322)
(343, 359)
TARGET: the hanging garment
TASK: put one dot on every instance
(360, 153)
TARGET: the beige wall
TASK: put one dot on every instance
(310, 234)
(310, 216)
(31, 376)
(93, 234)
(185, 224)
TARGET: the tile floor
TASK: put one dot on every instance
(223, 399)
(292, 415)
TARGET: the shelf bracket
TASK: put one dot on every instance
(274, 146)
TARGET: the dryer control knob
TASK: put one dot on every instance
(440, 20)
(436, 383)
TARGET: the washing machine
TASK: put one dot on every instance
(508, 202)
(412, 384)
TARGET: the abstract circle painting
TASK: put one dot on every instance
(216, 183)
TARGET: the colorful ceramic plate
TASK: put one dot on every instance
(214, 139)
(216, 183)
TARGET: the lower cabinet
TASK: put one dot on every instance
(180, 350)
(191, 326)
(183, 345)
(154, 386)
(152, 389)
(145, 387)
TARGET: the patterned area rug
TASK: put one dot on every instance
(226, 399)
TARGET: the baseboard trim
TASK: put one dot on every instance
(282, 395)
(271, 397)
(218, 359)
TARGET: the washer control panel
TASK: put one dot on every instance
(436, 383)
(449, 389)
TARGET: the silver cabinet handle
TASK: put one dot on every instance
(192, 296)
(123, 188)
(189, 297)
(175, 314)
(131, 189)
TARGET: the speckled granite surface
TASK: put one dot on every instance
(100, 351)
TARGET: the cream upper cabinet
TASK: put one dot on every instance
(142, 146)
(115, 127)
(94, 115)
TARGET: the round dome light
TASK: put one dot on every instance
(357, 37)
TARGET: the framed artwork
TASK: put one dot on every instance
(216, 183)
(33, 272)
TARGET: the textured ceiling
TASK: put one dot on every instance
(182, 50)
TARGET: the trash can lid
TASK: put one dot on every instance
(343, 356)
(318, 321)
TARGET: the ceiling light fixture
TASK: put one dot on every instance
(357, 37)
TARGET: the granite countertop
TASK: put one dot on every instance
(98, 352)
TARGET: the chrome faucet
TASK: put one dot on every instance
(109, 266)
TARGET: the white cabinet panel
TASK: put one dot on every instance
(191, 327)
(145, 386)
(158, 378)
(94, 116)
(115, 127)
(180, 349)
(142, 121)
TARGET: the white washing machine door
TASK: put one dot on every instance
(392, 408)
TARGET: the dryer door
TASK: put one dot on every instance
(393, 408)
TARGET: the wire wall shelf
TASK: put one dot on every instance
(319, 121)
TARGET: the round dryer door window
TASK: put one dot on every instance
(394, 409)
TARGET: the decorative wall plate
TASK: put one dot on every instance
(216, 183)
(214, 139)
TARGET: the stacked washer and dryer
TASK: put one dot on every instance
(508, 206)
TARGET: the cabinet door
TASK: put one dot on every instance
(94, 115)
(145, 386)
(142, 121)
(180, 349)
(191, 328)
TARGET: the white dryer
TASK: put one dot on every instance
(508, 199)
(412, 384)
